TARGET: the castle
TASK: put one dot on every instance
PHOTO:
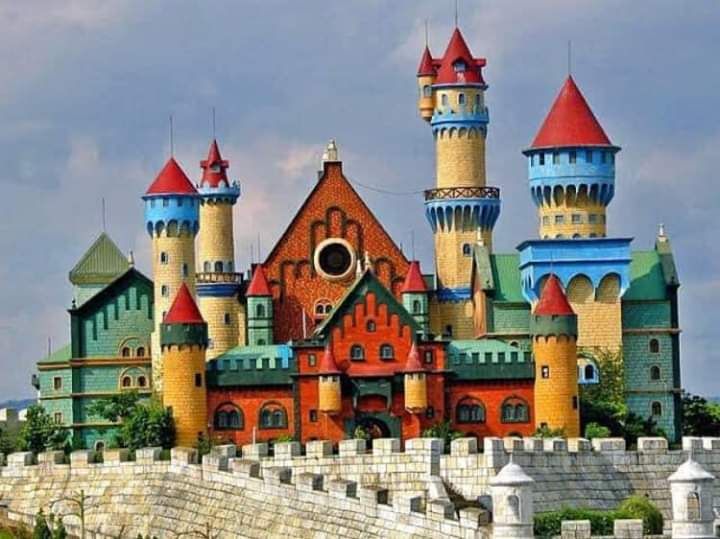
(337, 332)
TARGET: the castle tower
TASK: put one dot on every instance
(691, 488)
(415, 296)
(329, 387)
(172, 221)
(259, 309)
(415, 382)
(218, 283)
(571, 167)
(512, 502)
(461, 205)
(553, 327)
(184, 340)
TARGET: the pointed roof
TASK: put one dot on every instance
(102, 263)
(413, 363)
(690, 471)
(184, 310)
(511, 474)
(457, 50)
(570, 122)
(214, 167)
(426, 63)
(414, 281)
(328, 365)
(258, 285)
(553, 300)
(171, 181)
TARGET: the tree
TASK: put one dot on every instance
(41, 529)
(8, 442)
(700, 417)
(115, 408)
(142, 423)
(40, 432)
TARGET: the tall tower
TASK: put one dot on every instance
(571, 167)
(329, 385)
(171, 219)
(217, 281)
(553, 327)
(461, 208)
(184, 340)
(259, 310)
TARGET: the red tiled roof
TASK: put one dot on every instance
(414, 281)
(426, 63)
(171, 181)
(570, 122)
(413, 360)
(184, 310)
(328, 365)
(258, 285)
(457, 50)
(553, 300)
(214, 167)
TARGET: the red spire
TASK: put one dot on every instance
(414, 281)
(570, 122)
(258, 284)
(214, 168)
(413, 360)
(457, 50)
(426, 63)
(553, 300)
(184, 310)
(328, 365)
(171, 181)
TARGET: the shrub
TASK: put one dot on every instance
(444, 431)
(40, 432)
(641, 507)
(595, 430)
(283, 438)
(601, 522)
(547, 432)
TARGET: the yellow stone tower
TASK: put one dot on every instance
(184, 340)
(462, 209)
(171, 219)
(218, 282)
(553, 327)
(415, 383)
(329, 386)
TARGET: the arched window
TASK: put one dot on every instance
(218, 267)
(654, 346)
(357, 352)
(470, 411)
(322, 307)
(125, 351)
(416, 306)
(477, 100)
(654, 372)
(513, 504)
(467, 249)
(228, 417)
(164, 291)
(99, 446)
(427, 91)
(656, 409)
(449, 330)
(140, 352)
(273, 416)
(370, 326)
(185, 271)
(226, 319)
(444, 100)
(229, 266)
(461, 99)
(693, 507)
(164, 258)
(207, 267)
(126, 381)
(589, 372)
(515, 410)
(260, 310)
(141, 381)
(386, 352)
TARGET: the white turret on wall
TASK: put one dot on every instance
(512, 500)
(691, 487)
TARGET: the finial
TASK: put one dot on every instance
(456, 13)
(331, 152)
(661, 231)
(213, 120)
(358, 268)
(368, 262)
(131, 259)
(103, 215)
(569, 57)
(427, 41)
(172, 141)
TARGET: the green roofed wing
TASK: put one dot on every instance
(101, 264)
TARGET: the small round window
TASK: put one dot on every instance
(334, 259)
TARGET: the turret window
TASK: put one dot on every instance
(461, 99)
(166, 202)
(427, 91)
(416, 306)
(654, 346)
(588, 156)
(387, 352)
(459, 66)
(357, 353)
(467, 249)
(559, 219)
(603, 157)
(542, 159)
(260, 310)
(546, 220)
(207, 267)
(444, 100)
(164, 291)
(164, 258)
(556, 158)
(576, 218)
(572, 157)
(593, 218)
(478, 97)
(226, 319)
(218, 267)
(545, 371)
(198, 379)
(185, 271)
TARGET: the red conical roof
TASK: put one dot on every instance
(553, 300)
(570, 122)
(426, 63)
(258, 285)
(184, 310)
(171, 181)
(328, 365)
(456, 50)
(414, 281)
(413, 360)
(214, 167)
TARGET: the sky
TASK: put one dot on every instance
(87, 87)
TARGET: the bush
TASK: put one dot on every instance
(547, 432)
(601, 522)
(444, 431)
(147, 425)
(641, 507)
(595, 430)
(284, 438)
(41, 433)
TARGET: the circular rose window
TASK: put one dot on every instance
(334, 259)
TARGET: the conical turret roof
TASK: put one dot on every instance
(413, 363)
(553, 300)
(414, 281)
(214, 167)
(328, 365)
(171, 181)
(426, 64)
(184, 310)
(458, 51)
(258, 285)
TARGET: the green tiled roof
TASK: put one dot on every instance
(647, 281)
(61, 355)
(271, 364)
(488, 359)
(101, 264)
(506, 276)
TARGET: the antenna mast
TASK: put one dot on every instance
(172, 141)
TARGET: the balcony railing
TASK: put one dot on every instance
(462, 192)
(219, 277)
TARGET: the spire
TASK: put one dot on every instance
(184, 310)
(214, 167)
(426, 67)
(553, 300)
(570, 122)
(171, 181)
(414, 281)
(328, 365)
(258, 284)
(413, 361)
(331, 152)
(458, 65)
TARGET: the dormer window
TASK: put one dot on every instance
(459, 66)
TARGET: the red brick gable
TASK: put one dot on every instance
(332, 210)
